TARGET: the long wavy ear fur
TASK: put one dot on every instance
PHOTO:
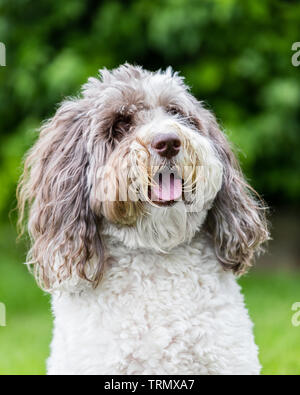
(54, 190)
(237, 220)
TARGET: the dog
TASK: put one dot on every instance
(140, 220)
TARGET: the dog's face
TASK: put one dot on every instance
(154, 171)
(139, 159)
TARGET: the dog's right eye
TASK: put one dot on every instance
(121, 126)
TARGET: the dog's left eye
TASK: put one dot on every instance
(174, 111)
(121, 126)
(189, 119)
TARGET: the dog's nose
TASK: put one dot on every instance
(166, 145)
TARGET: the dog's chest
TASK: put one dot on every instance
(151, 311)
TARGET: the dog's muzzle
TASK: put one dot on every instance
(167, 145)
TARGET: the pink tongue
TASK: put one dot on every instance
(168, 188)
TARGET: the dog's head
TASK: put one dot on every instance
(139, 159)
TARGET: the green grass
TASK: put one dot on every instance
(24, 342)
(269, 297)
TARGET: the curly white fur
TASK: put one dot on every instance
(154, 313)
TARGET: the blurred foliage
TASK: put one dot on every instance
(236, 55)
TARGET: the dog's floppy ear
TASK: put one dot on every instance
(237, 219)
(61, 225)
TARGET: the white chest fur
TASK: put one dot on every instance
(177, 313)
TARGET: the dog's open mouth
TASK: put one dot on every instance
(167, 188)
